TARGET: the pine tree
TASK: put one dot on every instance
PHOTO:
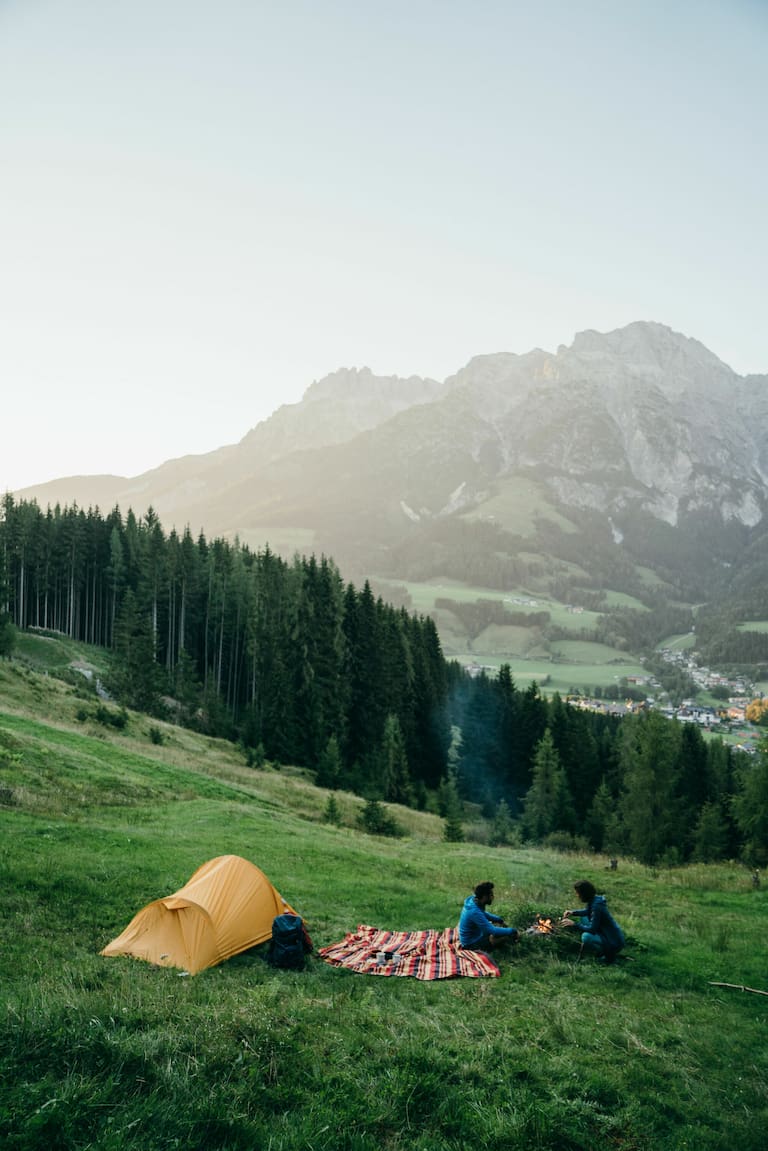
(691, 786)
(7, 636)
(481, 760)
(750, 806)
(600, 817)
(332, 813)
(365, 721)
(376, 820)
(425, 687)
(710, 836)
(448, 792)
(649, 756)
(502, 830)
(453, 830)
(450, 805)
(547, 803)
(453, 756)
(7, 630)
(578, 751)
(329, 767)
(134, 678)
(115, 574)
(256, 756)
(532, 716)
(396, 783)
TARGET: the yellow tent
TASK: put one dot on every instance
(226, 907)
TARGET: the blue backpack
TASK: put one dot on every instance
(290, 943)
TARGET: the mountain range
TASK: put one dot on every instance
(628, 457)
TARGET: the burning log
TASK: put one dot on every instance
(541, 926)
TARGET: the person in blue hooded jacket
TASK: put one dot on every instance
(480, 928)
(600, 933)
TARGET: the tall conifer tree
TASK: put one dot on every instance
(547, 803)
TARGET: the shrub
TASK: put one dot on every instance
(256, 756)
(7, 796)
(376, 820)
(503, 831)
(453, 830)
(109, 718)
(332, 813)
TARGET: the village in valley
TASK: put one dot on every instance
(735, 715)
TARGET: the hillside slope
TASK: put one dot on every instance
(99, 1052)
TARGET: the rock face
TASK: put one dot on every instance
(639, 421)
(641, 415)
(337, 408)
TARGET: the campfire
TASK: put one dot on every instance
(541, 926)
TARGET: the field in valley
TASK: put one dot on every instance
(558, 665)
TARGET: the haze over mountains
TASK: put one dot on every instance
(640, 440)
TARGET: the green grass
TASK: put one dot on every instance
(753, 625)
(425, 596)
(679, 642)
(114, 1054)
(621, 599)
(283, 540)
(54, 651)
(505, 642)
(554, 676)
(516, 505)
(583, 652)
(649, 577)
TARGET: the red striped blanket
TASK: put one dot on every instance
(423, 954)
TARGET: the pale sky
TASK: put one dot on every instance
(206, 205)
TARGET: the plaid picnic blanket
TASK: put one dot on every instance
(423, 954)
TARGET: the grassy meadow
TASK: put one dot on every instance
(516, 506)
(560, 677)
(114, 1054)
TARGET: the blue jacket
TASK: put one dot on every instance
(596, 919)
(476, 925)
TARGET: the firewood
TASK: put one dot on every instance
(738, 987)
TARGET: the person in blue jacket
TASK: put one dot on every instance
(480, 928)
(600, 932)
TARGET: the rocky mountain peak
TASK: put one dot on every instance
(646, 351)
(360, 386)
(336, 408)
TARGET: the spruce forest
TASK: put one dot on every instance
(297, 667)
